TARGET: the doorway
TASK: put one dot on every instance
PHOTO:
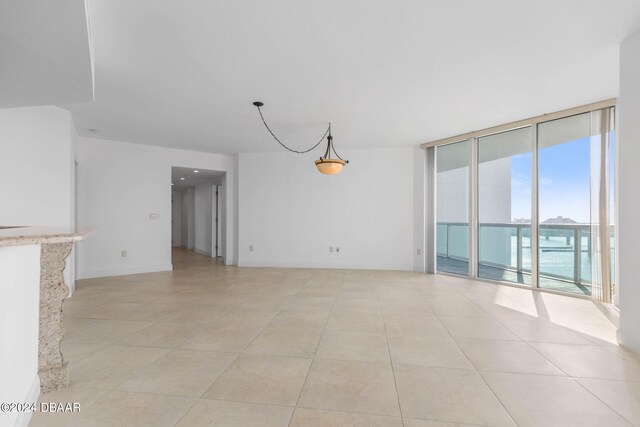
(197, 214)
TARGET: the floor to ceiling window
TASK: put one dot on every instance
(532, 204)
(564, 204)
(452, 207)
(612, 213)
(504, 206)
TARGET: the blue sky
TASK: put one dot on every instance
(564, 189)
(564, 177)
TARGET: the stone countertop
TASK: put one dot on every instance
(33, 235)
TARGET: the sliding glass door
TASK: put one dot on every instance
(452, 207)
(531, 205)
(564, 205)
(504, 206)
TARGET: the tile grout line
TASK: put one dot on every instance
(569, 377)
(503, 323)
(603, 402)
(393, 371)
(217, 378)
(313, 358)
(475, 367)
(186, 412)
(486, 383)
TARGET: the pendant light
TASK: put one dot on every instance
(326, 164)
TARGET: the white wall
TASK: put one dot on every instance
(292, 214)
(36, 166)
(419, 213)
(119, 185)
(19, 318)
(191, 218)
(70, 270)
(184, 220)
(203, 218)
(216, 234)
(628, 152)
(226, 180)
(176, 218)
(37, 173)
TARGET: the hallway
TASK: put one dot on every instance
(185, 259)
(216, 345)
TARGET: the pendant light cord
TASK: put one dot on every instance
(328, 132)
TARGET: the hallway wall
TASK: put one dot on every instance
(203, 218)
(176, 218)
(120, 186)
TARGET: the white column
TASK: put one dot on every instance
(19, 319)
(628, 177)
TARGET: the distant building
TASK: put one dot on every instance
(559, 220)
(521, 221)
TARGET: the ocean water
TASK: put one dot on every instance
(556, 258)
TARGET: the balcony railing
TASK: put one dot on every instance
(564, 252)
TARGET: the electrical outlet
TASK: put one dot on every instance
(419, 251)
(250, 248)
(337, 248)
(123, 254)
(331, 249)
(154, 215)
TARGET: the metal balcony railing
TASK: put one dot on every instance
(564, 249)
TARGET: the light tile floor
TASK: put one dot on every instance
(211, 345)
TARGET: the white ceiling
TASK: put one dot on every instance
(45, 55)
(384, 72)
(192, 178)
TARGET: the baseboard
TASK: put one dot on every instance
(628, 340)
(91, 274)
(32, 397)
(339, 266)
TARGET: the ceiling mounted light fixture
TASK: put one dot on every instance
(326, 164)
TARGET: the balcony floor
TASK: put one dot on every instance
(456, 266)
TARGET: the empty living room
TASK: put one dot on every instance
(319, 213)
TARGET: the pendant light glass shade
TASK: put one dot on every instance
(330, 166)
